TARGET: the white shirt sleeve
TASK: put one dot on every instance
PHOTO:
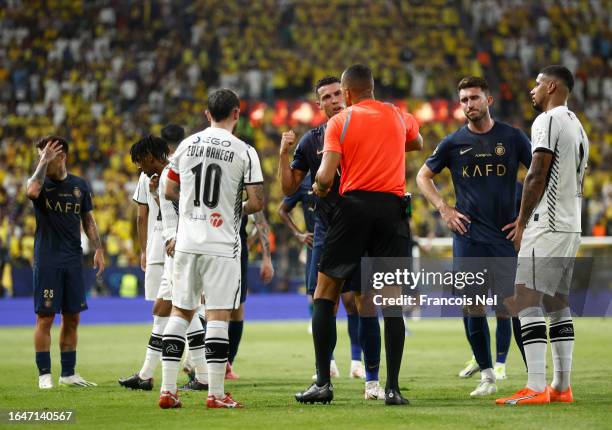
(544, 133)
(252, 171)
(140, 193)
(175, 159)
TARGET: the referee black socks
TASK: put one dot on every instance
(394, 347)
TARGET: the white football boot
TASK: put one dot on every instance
(76, 381)
(45, 381)
(373, 391)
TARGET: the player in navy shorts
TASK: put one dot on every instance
(483, 158)
(62, 203)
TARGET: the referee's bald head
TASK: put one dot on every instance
(358, 79)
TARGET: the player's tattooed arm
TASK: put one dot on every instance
(535, 183)
(91, 230)
(533, 189)
(266, 272)
(263, 230)
(255, 199)
(36, 181)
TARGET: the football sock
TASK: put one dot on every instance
(334, 340)
(503, 334)
(467, 331)
(195, 338)
(68, 361)
(481, 341)
(516, 330)
(173, 345)
(43, 362)
(235, 334)
(154, 349)
(533, 331)
(394, 347)
(217, 349)
(324, 337)
(369, 337)
(353, 332)
(561, 334)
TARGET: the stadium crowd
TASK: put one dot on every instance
(103, 73)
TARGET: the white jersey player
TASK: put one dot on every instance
(212, 167)
(150, 154)
(169, 213)
(150, 235)
(547, 232)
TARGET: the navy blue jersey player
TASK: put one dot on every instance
(365, 331)
(483, 158)
(307, 199)
(62, 203)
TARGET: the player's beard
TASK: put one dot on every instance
(537, 106)
(479, 117)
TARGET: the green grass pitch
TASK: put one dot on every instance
(276, 360)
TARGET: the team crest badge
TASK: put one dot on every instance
(76, 192)
(499, 149)
(216, 220)
(48, 303)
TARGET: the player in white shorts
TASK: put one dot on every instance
(149, 228)
(547, 232)
(209, 171)
(151, 155)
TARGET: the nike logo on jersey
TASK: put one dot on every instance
(320, 152)
(49, 189)
(464, 151)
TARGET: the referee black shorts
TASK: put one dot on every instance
(364, 221)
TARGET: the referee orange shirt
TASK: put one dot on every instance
(371, 136)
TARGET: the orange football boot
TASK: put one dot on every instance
(526, 396)
(560, 396)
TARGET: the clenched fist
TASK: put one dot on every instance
(287, 140)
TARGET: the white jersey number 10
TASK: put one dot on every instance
(212, 183)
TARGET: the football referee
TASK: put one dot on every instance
(367, 141)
